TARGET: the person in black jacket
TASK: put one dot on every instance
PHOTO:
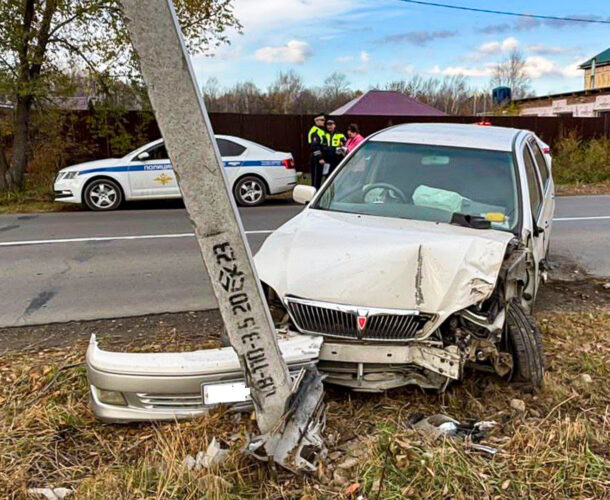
(316, 138)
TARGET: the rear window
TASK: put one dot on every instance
(229, 148)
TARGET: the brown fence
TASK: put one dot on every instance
(288, 132)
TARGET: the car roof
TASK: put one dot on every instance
(451, 134)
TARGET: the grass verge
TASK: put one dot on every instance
(558, 448)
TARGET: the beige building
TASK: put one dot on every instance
(597, 71)
(591, 102)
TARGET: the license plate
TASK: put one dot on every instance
(227, 392)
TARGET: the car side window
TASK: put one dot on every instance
(158, 153)
(543, 166)
(533, 182)
(229, 148)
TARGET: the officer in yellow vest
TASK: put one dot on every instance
(316, 138)
(336, 141)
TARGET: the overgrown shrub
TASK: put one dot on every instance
(578, 161)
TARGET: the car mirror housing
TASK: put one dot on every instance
(143, 156)
(303, 194)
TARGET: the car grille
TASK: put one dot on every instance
(340, 321)
(171, 401)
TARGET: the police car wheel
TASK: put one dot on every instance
(103, 194)
(250, 191)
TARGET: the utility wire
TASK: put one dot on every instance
(516, 14)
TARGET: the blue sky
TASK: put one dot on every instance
(374, 42)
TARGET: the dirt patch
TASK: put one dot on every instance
(583, 189)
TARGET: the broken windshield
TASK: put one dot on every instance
(425, 182)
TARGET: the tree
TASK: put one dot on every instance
(40, 39)
(512, 72)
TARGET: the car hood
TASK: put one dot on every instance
(107, 162)
(372, 261)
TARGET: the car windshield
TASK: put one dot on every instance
(424, 182)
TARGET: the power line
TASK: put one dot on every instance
(516, 14)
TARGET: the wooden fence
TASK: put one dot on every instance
(288, 132)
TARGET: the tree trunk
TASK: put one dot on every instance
(19, 152)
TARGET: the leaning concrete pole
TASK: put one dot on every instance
(185, 126)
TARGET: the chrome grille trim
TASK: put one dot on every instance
(340, 321)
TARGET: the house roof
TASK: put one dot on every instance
(600, 59)
(387, 103)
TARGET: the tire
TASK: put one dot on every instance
(524, 341)
(250, 191)
(102, 195)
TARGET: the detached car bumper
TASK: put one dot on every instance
(129, 387)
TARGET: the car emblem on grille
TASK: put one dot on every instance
(361, 322)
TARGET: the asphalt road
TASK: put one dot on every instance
(83, 265)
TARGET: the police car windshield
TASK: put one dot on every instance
(425, 182)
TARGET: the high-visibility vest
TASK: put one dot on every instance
(335, 140)
(315, 130)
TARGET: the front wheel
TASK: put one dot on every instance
(250, 191)
(523, 341)
(103, 195)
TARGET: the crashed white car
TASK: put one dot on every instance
(419, 258)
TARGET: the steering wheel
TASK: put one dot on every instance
(388, 188)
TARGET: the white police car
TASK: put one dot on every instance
(253, 171)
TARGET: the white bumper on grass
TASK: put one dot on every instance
(128, 387)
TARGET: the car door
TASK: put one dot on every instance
(151, 174)
(545, 221)
(233, 157)
(535, 200)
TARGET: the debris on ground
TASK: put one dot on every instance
(50, 493)
(585, 378)
(440, 426)
(517, 405)
(213, 456)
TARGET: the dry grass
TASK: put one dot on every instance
(560, 447)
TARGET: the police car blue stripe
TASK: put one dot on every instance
(140, 168)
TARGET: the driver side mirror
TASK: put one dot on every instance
(143, 156)
(303, 194)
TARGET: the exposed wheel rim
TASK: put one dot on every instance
(251, 191)
(103, 195)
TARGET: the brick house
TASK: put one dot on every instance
(593, 101)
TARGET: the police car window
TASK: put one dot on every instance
(532, 182)
(158, 152)
(541, 161)
(229, 148)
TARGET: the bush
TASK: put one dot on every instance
(578, 161)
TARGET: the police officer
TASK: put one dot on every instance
(336, 141)
(316, 138)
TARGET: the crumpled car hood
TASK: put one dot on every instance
(372, 261)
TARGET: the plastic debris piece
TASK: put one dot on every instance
(51, 493)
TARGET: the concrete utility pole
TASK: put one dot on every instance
(284, 415)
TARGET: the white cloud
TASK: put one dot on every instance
(538, 66)
(295, 52)
(365, 57)
(479, 72)
(542, 49)
(506, 45)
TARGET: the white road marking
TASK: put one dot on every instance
(190, 235)
(597, 217)
(109, 238)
